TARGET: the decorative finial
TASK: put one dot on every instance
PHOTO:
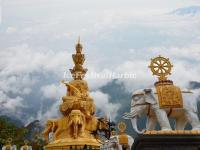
(79, 39)
(122, 126)
(26, 142)
(78, 72)
(122, 137)
(9, 141)
(79, 47)
(161, 67)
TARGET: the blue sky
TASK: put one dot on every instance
(37, 38)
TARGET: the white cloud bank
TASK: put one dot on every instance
(108, 109)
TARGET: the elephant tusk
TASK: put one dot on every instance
(134, 124)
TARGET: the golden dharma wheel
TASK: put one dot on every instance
(161, 67)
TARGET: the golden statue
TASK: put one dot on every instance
(8, 145)
(26, 146)
(123, 138)
(169, 95)
(78, 126)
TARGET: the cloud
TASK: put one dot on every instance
(23, 71)
(50, 113)
(11, 106)
(50, 92)
(11, 30)
(105, 107)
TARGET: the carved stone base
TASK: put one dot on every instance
(69, 143)
(173, 132)
(167, 142)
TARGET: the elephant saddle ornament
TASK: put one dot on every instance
(169, 95)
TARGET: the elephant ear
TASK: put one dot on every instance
(149, 97)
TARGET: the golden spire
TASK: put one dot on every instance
(78, 39)
(78, 72)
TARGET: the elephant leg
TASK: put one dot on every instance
(162, 118)
(181, 123)
(75, 131)
(193, 119)
(151, 123)
(56, 134)
(82, 127)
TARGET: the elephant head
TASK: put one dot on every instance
(77, 121)
(141, 101)
(76, 117)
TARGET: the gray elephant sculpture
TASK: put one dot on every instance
(145, 102)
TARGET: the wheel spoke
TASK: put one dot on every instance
(156, 63)
(159, 71)
(165, 63)
(155, 66)
(159, 61)
(163, 70)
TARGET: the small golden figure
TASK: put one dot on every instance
(26, 146)
(8, 145)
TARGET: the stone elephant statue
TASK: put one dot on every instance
(145, 102)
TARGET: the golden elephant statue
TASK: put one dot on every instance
(56, 127)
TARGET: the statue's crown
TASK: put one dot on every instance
(78, 72)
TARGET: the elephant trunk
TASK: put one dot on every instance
(134, 124)
(76, 120)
